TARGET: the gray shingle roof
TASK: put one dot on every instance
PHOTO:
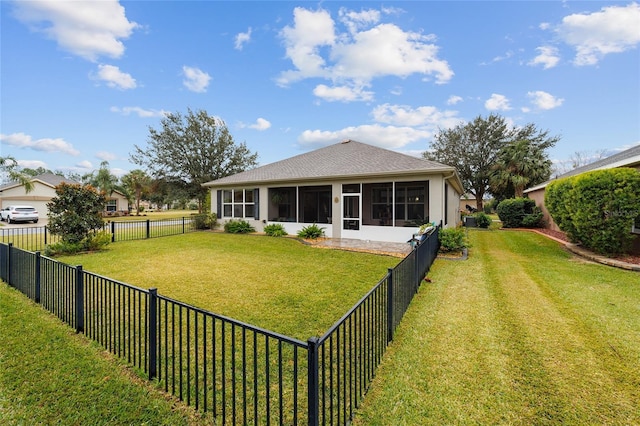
(345, 159)
(46, 178)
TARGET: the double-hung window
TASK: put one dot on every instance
(238, 203)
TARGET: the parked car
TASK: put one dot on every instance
(19, 214)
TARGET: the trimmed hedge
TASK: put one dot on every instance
(519, 212)
(597, 208)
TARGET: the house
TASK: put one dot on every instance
(352, 189)
(44, 189)
(627, 158)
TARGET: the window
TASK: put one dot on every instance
(112, 205)
(282, 204)
(410, 202)
(238, 203)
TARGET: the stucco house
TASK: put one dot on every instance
(44, 189)
(352, 189)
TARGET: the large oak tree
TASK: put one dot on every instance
(194, 148)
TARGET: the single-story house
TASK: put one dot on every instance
(351, 189)
(44, 189)
(627, 158)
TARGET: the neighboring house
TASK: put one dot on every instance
(466, 201)
(351, 189)
(44, 189)
(628, 158)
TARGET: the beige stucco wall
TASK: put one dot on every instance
(37, 198)
(538, 197)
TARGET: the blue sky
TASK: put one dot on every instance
(81, 82)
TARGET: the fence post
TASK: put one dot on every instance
(79, 299)
(37, 278)
(45, 235)
(390, 305)
(183, 225)
(9, 249)
(148, 228)
(153, 332)
(313, 394)
(113, 232)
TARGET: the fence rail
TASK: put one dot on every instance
(236, 372)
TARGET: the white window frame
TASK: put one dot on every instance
(235, 200)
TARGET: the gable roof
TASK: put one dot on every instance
(626, 158)
(342, 160)
(48, 179)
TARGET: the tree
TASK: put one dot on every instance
(75, 212)
(137, 183)
(520, 164)
(472, 149)
(476, 147)
(196, 148)
(103, 179)
(9, 166)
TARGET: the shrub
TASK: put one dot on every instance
(512, 211)
(238, 226)
(452, 239)
(311, 232)
(76, 212)
(597, 208)
(482, 220)
(533, 220)
(205, 221)
(275, 230)
(94, 242)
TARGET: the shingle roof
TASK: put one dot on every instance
(345, 159)
(627, 158)
(46, 178)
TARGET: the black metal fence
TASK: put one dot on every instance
(38, 237)
(237, 372)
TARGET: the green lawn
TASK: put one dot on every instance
(520, 333)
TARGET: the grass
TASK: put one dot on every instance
(275, 283)
(521, 333)
(50, 375)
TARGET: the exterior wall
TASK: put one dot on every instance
(453, 212)
(468, 201)
(397, 233)
(538, 197)
(37, 198)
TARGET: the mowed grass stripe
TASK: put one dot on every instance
(501, 339)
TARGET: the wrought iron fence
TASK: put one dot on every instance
(237, 372)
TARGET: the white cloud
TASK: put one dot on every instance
(497, 103)
(84, 165)
(613, 29)
(22, 140)
(141, 112)
(391, 137)
(548, 57)
(242, 39)
(195, 79)
(366, 50)
(454, 99)
(114, 77)
(424, 117)
(31, 164)
(342, 93)
(89, 29)
(106, 156)
(543, 100)
(260, 124)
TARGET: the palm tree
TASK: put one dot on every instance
(520, 164)
(8, 165)
(104, 180)
(137, 182)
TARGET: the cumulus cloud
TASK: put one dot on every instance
(22, 140)
(31, 164)
(88, 29)
(260, 124)
(84, 165)
(342, 93)
(106, 156)
(390, 137)
(242, 39)
(364, 50)
(425, 117)
(114, 77)
(548, 57)
(613, 29)
(195, 79)
(543, 100)
(140, 112)
(497, 103)
(454, 99)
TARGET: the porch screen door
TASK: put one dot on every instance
(351, 212)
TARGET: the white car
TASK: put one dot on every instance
(19, 214)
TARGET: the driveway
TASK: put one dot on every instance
(41, 222)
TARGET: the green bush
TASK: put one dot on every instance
(597, 208)
(311, 232)
(512, 212)
(93, 242)
(205, 221)
(275, 230)
(238, 226)
(482, 220)
(452, 239)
